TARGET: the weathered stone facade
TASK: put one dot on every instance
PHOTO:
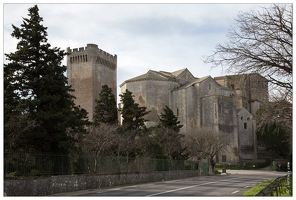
(88, 69)
(252, 91)
(227, 104)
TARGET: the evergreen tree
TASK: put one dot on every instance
(275, 137)
(36, 92)
(169, 120)
(133, 115)
(168, 135)
(105, 109)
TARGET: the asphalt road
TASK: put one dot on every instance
(233, 184)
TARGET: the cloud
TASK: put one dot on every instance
(164, 37)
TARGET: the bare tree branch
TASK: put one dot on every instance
(261, 42)
(205, 143)
(278, 110)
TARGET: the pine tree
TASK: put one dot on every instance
(35, 90)
(105, 109)
(169, 120)
(133, 115)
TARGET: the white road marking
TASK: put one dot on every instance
(179, 189)
(122, 188)
(184, 188)
(235, 192)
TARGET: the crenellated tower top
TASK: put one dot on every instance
(91, 53)
(88, 69)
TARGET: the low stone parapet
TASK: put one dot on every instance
(42, 186)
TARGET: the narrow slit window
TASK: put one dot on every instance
(245, 125)
(232, 86)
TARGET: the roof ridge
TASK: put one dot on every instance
(178, 72)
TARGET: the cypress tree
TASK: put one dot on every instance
(133, 115)
(169, 120)
(105, 109)
(169, 136)
(36, 90)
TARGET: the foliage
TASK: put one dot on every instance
(106, 108)
(281, 186)
(261, 42)
(165, 140)
(276, 113)
(23, 163)
(253, 191)
(133, 134)
(275, 138)
(36, 94)
(133, 115)
(154, 148)
(286, 189)
(251, 165)
(169, 120)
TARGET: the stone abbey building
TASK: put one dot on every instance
(227, 104)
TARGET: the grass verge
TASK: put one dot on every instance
(253, 191)
(286, 189)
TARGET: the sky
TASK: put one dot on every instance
(156, 35)
(144, 36)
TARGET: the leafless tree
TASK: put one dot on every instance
(171, 142)
(99, 140)
(126, 142)
(260, 43)
(205, 143)
(278, 111)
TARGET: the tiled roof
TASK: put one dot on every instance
(158, 75)
(153, 75)
(197, 80)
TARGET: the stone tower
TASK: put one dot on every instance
(88, 69)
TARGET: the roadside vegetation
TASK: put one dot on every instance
(253, 191)
(247, 166)
(282, 188)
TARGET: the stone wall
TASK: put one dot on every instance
(152, 94)
(43, 186)
(247, 135)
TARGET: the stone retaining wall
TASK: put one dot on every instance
(42, 186)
